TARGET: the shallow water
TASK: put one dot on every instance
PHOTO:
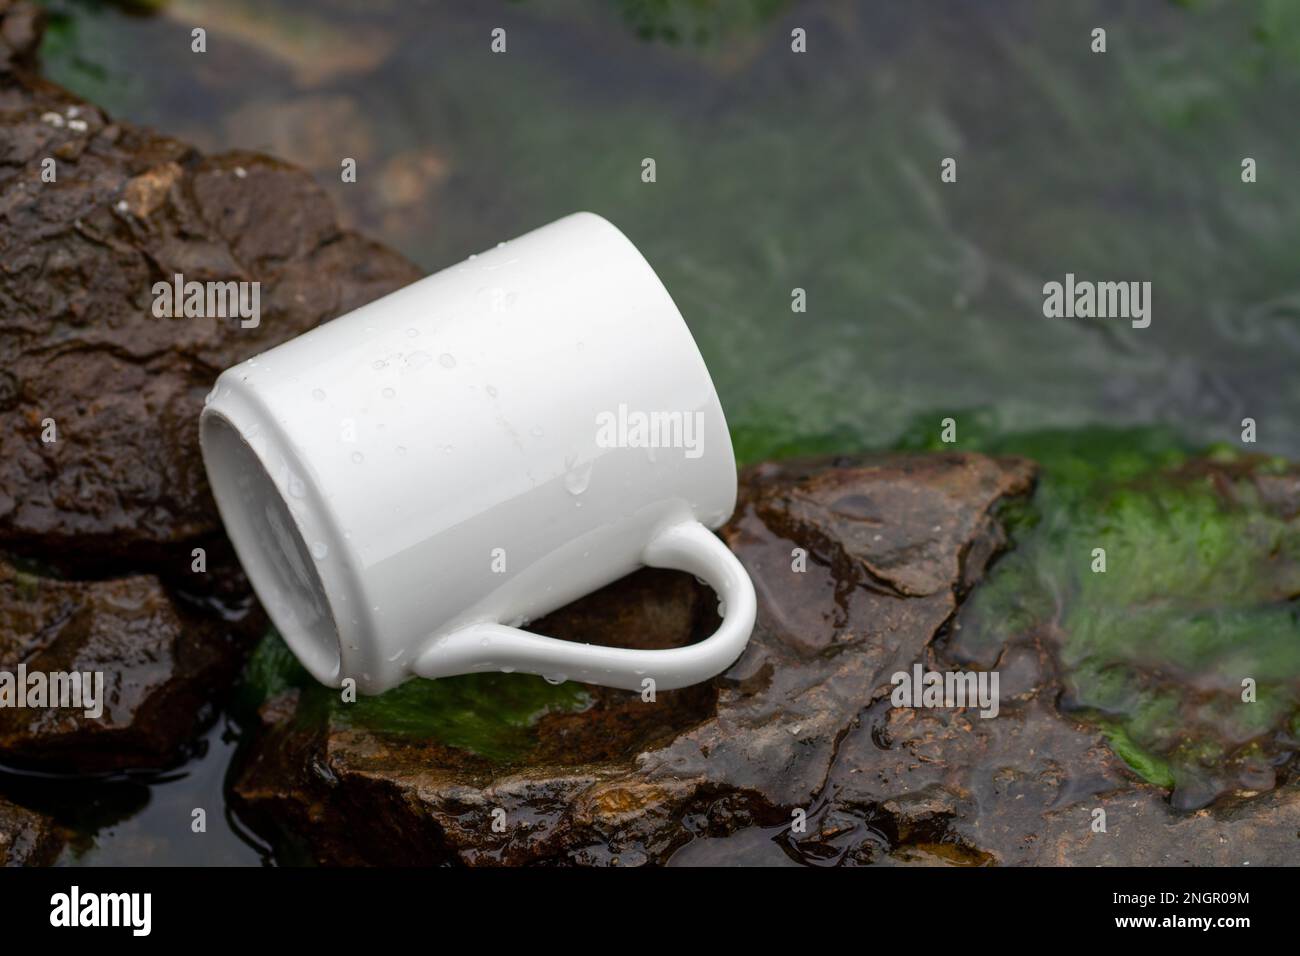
(816, 171)
(819, 171)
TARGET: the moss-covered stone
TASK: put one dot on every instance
(1202, 568)
(490, 715)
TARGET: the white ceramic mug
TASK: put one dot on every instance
(409, 484)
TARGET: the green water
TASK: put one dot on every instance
(820, 171)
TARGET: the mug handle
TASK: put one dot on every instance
(688, 546)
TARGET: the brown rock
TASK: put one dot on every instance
(891, 544)
(27, 838)
(121, 489)
(82, 347)
(161, 665)
(802, 722)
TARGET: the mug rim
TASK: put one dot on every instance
(242, 412)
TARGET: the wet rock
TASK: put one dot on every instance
(27, 838)
(797, 754)
(1157, 597)
(890, 545)
(162, 667)
(1027, 789)
(87, 362)
(103, 497)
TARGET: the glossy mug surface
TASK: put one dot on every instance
(411, 484)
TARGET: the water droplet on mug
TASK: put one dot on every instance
(577, 476)
(318, 394)
(418, 359)
(491, 390)
(555, 678)
(357, 457)
(722, 609)
(507, 670)
(378, 363)
(389, 393)
(401, 449)
(536, 431)
(412, 333)
(296, 486)
(447, 360)
(320, 550)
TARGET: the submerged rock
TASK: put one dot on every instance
(27, 838)
(1161, 587)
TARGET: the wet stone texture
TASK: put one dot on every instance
(162, 667)
(98, 525)
(891, 544)
(803, 721)
(27, 838)
(80, 257)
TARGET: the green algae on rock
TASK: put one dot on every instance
(1194, 610)
(490, 715)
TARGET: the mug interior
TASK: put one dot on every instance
(271, 548)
